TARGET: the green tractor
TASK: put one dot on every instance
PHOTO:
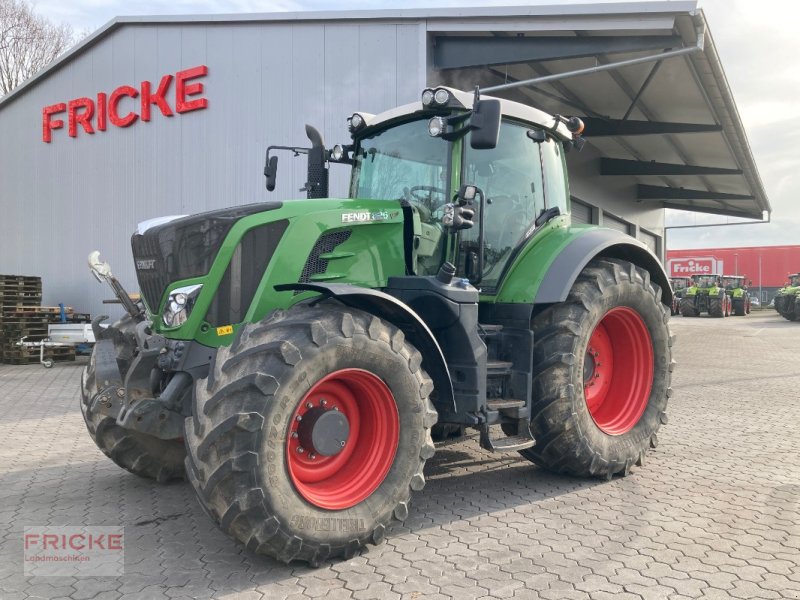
(736, 289)
(786, 300)
(292, 358)
(679, 287)
(706, 295)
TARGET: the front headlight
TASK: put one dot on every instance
(179, 305)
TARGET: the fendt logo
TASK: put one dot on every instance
(686, 267)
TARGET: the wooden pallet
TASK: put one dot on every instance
(22, 278)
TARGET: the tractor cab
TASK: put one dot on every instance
(733, 282)
(680, 283)
(706, 282)
(794, 280)
(478, 176)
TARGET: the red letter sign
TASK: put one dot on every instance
(183, 89)
(159, 98)
(47, 124)
(113, 114)
(84, 118)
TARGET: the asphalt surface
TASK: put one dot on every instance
(714, 512)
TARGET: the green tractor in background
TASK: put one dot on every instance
(786, 300)
(291, 359)
(737, 291)
(679, 287)
(706, 295)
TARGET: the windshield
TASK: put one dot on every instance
(706, 281)
(794, 280)
(402, 162)
(679, 284)
(731, 283)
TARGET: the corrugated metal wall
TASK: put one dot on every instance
(59, 201)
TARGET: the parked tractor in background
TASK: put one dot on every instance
(679, 287)
(737, 292)
(786, 300)
(706, 295)
(294, 356)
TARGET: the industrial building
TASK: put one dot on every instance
(154, 116)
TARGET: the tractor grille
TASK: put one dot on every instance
(184, 248)
(244, 273)
(326, 243)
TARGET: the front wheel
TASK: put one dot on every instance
(311, 432)
(139, 453)
(602, 372)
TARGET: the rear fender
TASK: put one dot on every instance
(401, 316)
(599, 243)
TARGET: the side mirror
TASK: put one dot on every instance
(270, 172)
(485, 124)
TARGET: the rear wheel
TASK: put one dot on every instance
(599, 415)
(789, 308)
(739, 307)
(311, 432)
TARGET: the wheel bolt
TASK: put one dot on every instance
(300, 450)
(309, 405)
(295, 435)
(323, 402)
(342, 443)
(312, 456)
(335, 408)
(299, 417)
(597, 375)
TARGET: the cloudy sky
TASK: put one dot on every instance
(756, 40)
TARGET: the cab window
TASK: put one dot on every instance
(510, 176)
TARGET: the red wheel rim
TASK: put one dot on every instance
(344, 479)
(618, 371)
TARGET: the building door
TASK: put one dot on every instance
(613, 222)
(581, 212)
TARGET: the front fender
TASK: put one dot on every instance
(401, 316)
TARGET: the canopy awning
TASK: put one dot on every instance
(669, 124)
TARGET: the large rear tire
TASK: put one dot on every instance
(139, 453)
(602, 371)
(739, 308)
(311, 432)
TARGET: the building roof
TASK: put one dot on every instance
(671, 126)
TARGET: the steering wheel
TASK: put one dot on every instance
(425, 188)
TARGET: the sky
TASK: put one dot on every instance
(756, 40)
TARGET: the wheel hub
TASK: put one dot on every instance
(342, 439)
(618, 371)
(323, 431)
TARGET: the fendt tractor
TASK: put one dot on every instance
(291, 359)
(679, 287)
(786, 300)
(736, 288)
(706, 294)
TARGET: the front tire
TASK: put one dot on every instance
(716, 307)
(603, 366)
(264, 456)
(687, 307)
(141, 454)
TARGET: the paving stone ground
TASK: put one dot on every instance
(714, 513)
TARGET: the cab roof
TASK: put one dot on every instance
(461, 100)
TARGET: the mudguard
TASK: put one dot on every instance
(401, 316)
(564, 270)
